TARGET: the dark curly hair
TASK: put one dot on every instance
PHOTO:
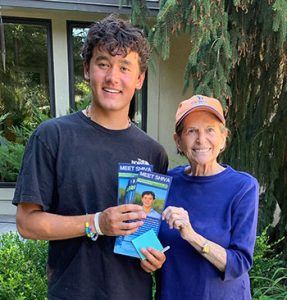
(117, 37)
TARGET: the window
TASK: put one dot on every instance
(25, 72)
(79, 88)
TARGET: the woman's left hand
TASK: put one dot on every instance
(154, 259)
(178, 218)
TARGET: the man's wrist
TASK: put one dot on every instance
(97, 223)
(89, 230)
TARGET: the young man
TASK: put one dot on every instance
(67, 187)
(148, 198)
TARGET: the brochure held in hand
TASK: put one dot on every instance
(139, 185)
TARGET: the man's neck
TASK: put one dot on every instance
(109, 120)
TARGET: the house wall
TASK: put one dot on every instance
(165, 81)
(6, 196)
(165, 91)
(165, 78)
(106, 6)
(59, 44)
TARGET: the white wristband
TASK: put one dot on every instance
(97, 225)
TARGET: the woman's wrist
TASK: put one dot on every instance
(192, 237)
(197, 240)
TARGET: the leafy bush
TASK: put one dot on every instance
(11, 152)
(268, 274)
(23, 271)
(273, 288)
(22, 268)
(10, 160)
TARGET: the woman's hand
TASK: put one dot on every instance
(154, 259)
(178, 218)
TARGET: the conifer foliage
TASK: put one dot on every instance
(238, 53)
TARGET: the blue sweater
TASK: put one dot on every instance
(223, 208)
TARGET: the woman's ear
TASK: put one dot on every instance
(224, 139)
(177, 141)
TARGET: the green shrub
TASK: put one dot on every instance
(10, 160)
(268, 275)
(273, 288)
(11, 152)
(22, 268)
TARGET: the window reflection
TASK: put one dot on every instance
(24, 74)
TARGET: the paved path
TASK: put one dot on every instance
(7, 223)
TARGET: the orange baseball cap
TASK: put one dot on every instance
(199, 102)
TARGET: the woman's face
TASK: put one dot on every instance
(202, 138)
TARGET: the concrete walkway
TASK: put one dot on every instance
(7, 224)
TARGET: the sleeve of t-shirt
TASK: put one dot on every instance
(35, 183)
(162, 162)
(243, 236)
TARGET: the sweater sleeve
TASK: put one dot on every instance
(243, 235)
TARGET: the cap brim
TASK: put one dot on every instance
(202, 108)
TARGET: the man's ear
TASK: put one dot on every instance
(140, 81)
(86, 72)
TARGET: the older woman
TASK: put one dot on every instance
(211, 213)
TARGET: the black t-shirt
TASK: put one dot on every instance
(70, 167)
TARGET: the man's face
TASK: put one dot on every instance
(113, 80)
(147, 201)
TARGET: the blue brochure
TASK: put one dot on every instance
(150, 190)
(148, 239)
(126, 180)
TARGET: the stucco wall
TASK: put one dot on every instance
(165, 91)
(165, 78)
(6, 206)
(59, 42)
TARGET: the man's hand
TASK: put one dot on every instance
(113, 220)
(154, 259)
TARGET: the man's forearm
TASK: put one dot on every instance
(38, 225)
